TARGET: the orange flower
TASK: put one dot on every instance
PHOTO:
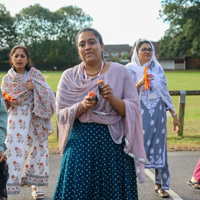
(99, 81)
(92, 94)
(7, 97)
(147, 85)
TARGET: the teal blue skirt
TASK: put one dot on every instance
(94, 167)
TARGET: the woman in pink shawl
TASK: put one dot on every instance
(99, 139)
(31, 104)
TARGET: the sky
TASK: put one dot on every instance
(118, 21)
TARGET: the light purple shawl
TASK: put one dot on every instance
(72, 89)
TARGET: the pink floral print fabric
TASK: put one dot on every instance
(41, 99)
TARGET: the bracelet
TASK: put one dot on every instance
(81, 108)
(174, 114)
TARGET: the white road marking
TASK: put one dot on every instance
(172, 194)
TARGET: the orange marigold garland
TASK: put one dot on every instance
(147, 84)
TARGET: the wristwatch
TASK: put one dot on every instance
(174, 114)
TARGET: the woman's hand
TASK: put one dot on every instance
(30, 85)
(87, 103)
(177, 124)
(7, 105)
(2, 156)
(142, 80)
(117, 103)
(107, 92)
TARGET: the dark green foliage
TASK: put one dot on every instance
(183, 36)
(50, 36)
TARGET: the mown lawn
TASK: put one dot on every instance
(177, 80)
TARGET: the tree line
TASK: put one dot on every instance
(49, 36)
(183, 36)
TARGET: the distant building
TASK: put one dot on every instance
(116, 50)
(177, 63)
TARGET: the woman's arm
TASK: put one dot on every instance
(176, 122)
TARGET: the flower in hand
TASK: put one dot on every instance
(93, 95)
(100, 83)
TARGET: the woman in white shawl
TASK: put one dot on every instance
(155, 101)
(99, 139)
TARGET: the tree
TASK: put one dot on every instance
(7, 32)
(50, 36)
(183, 36)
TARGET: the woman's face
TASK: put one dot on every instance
(19, 59)
(89, 48)
(145, 53)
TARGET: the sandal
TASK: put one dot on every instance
(37, 195)
(193, 184)
(162, 193)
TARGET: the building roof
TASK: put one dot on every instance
(117, 47)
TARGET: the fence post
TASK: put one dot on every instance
(182, 111)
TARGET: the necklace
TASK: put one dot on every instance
(93, 74)
(98, 73)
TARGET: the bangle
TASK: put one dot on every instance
(81, 108)
(174, 114)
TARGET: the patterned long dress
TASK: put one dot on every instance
(94, 167)
(155, 133)
(28, 160)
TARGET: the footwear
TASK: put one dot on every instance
(193, 184)
(162, 193)
(37, 195)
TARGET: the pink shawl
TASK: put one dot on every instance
(41, 99)
(72, 89)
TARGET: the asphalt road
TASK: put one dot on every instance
(181, 165)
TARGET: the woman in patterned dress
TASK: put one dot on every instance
(99, 139)
(31, 104)
(154, 101)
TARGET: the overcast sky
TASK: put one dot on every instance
(118, 21)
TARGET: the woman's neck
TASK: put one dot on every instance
(20, 71)
(93, 68)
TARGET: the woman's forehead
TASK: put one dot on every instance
(19, 51)
(86, 35)
(147, 45)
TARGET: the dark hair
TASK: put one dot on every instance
(96, 33)
(140, 43)
(28, 65)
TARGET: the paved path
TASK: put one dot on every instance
(181, 168)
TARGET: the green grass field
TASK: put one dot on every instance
(177, 80)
